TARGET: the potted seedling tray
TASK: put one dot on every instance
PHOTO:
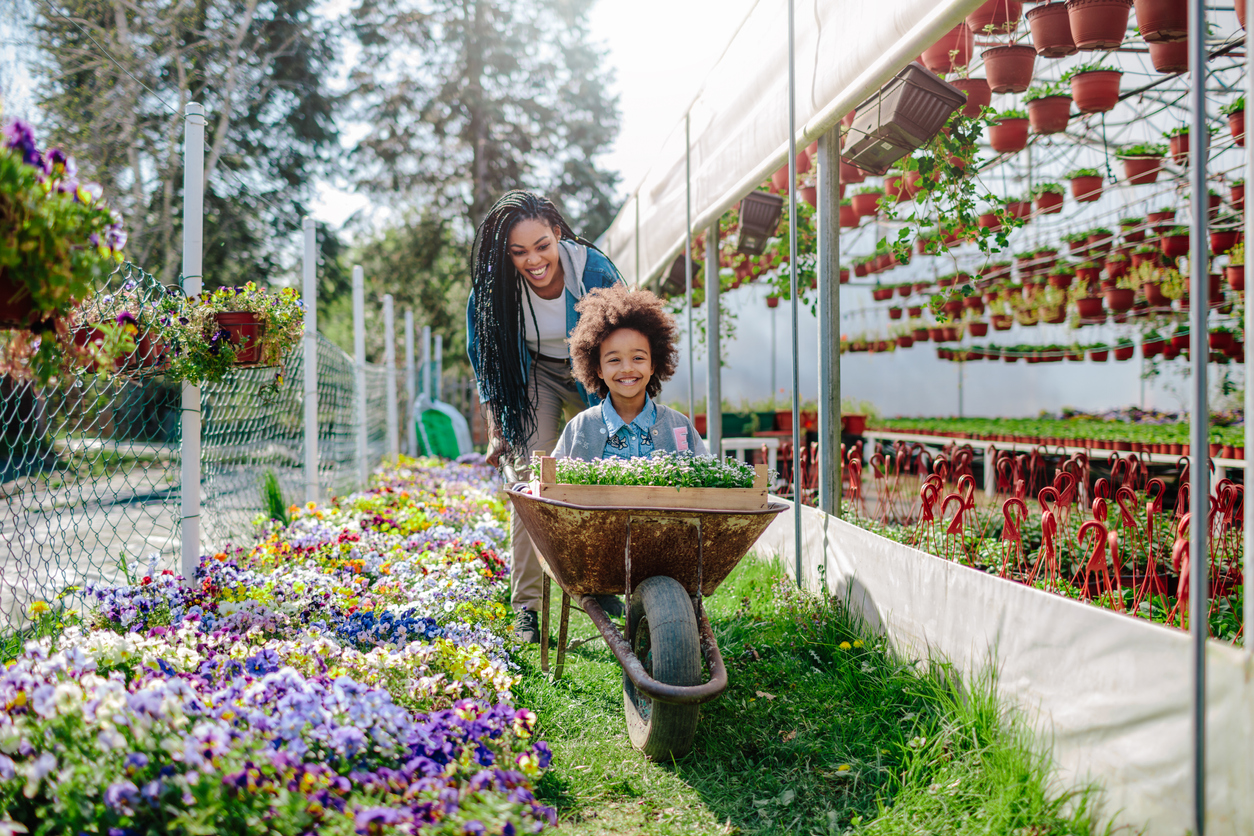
(546, 486)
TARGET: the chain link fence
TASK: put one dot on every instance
(90, 468)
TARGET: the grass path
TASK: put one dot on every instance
(823, 730)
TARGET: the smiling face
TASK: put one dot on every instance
(626, 366)
(533, 248)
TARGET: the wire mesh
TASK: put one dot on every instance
(90, 465)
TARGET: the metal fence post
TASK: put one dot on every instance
(359, 374)
(714, 370)
(828, 267)
(411, 432)
(426, 363)
(193, 262)
(311, 361)
(437, 370)
(389, 363)
(1248, 534)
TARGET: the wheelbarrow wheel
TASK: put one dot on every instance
(664, 638)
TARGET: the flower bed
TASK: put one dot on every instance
(349, 672)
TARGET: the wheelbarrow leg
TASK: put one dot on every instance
(561, 636)
(544, 626)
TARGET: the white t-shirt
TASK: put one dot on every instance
(549, 323)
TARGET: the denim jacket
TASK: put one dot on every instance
(584, 437)
(584, 269)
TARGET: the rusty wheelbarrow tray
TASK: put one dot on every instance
(610, 550)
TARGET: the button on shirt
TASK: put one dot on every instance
(626, 441)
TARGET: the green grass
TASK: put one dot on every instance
(815, 735)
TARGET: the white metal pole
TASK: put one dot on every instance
(1248, 564)
(692, 345)
(714, 359)
(311, 361)
(359, 369)
(797, 439)
(828, 267)
(411, 394)
(193, 263)
(437, 370)
(1199, 351)
(389, 364)
(426, 362)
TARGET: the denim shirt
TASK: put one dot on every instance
(584, 269)
(585, 437)
(627, 441)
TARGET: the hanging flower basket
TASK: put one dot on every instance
(995, 16)
(1049, 203)
(866, 204)
(1090, 308)
(1120, 299)
(1098, 24)
(1009, 68)
(1050, 26)
(780, 179)
(1235, 276)
(1178, 147)
(1096, 91)
(1141, 171)
(1236, 126)
(17, 305)
(848, 217)
(759, 218)
(1008, 134)
(1237, 196)
(1049, 114)
(772, 301)
(977, 329)
(1154, 295)
(1170, 57)
(149, 357)
(851, 173)
(246, 332)
(1002, 322)
(1124, 352)
(1086, 188)
(954, 49)
(810, 194)
(990, 221)
(1223, 240)
(1162, 21)
(1174, 246)
(979, 95)
(904, 114)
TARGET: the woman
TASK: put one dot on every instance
(528, 269)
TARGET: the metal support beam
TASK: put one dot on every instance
(389, 370)
(411, 387)
(714, 371)
(692, 383)
(797, 438)
(1199, 354)
(359, 374)
(828, 225)
(1248, 565)
(310, 298)
(193, 263)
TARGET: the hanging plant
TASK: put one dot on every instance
(1098, 24)
(1236, 195)
(1169, 57)
(1162, 21)
(1235, 111)
(1175, 242)
(995, 16)
(979, 94)
(1049, 108)
(1009, 67)
(953, 49)
(1008, 132)
(1086, 184)
(1094, 87)
(1142, 162)
(1235, 271)
(1178, 144)
(1133, 230)
(1050, 26)
(1049, 198)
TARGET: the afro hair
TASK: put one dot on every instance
(605, 310)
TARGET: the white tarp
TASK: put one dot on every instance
(737, 127)
(1111, 694)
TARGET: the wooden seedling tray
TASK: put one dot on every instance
(647, 496)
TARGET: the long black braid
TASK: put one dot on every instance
(499, 314)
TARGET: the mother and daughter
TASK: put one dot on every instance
(552, 327)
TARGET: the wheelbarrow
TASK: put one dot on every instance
(671, 559)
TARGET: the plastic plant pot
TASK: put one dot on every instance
(1219, 340)
(1009, 68)
(17, 309)
(1099, 355)
(1235, 276)
(1120, 299)
(844, 275)
(1237, 197)
(780, 179)
(1049, 203)
(1178, 144)
(1086, 189)
(977, 329)
(1240, 10)
(848, 217)
(1008, 135)
(1154, 295)
(954, 49)
(866, 204)
(759, 217)
(979, 94)
(1062, 281)
(1050, 26)
(772, 301)
(1222, 240)
(1236, 125)
(1002, 15)
(1090, 308)
(810, 194)
(895, 313)
(246, 332)
(907, 112)
(1002, 322)
(1098, 24)
(1141, 171)
(1096, 91)
(1170, 57)
(1162, 21)
(1124, 352)
(851, 173)
(1049, 115)
(1117, 269)
(905, 342)
(1152, 348)
(1167, 217)
(1174, 246)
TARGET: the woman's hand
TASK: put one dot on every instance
(496, 441)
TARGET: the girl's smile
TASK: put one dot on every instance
(626, 367)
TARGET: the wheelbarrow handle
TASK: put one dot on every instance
(661, 691)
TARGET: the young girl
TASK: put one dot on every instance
(622, 350)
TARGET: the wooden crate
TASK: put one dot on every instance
(647, 496)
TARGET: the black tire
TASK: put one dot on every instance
(664, 638)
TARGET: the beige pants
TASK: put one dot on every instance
(556, 392)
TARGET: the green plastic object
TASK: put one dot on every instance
(437, 436)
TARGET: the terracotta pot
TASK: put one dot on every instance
(1120, 299)
(1174, 246)
(844, 275)
(1008, 135)
(979, 94)
(1180, 342)
(1154, 295)
(920, 335)
(977, 329)
(1050, 26)
(1170, 57)
(1002, 15)
(1089, 275)
(17, 309)
(1086, 189)
(861, 269)
(848, 217)
(954, 49)
(1168, 217)
(1237, 197)
(1179, 147)
(1146, 258)
(1099, 355)
(989, 220)
(937, 335)
(1141, 171)
(1049, 115)
(1124, 352)
(851, 173)
(1009, 68)
(866, 204)
(1222, 240)
(895, 313)
(1240, 10)
(1049, 203)
(1162, 21)
(1236, 277)
(904, 341)
(1062, 281)
(1117, 269)
(1090, 308)
(772, 301)
(246, 332)
(1236, 125)
(803, 161)
(810, 194)
(1098, 24)
(1096, 91)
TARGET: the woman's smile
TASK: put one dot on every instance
(533, 247)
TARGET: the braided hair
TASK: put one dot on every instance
(499, 315)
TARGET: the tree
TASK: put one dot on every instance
(117, 76)
(470, 98)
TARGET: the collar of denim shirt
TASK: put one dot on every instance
(643, 422)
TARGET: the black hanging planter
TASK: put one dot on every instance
(901, 117)
(676, 281)
(759, 218)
